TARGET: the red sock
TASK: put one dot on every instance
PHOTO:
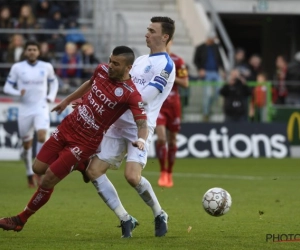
(171, 157)
(39, 199)
(161, 151)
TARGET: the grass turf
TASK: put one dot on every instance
(76, 218)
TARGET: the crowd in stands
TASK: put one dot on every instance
(246, 75)
(54, 25)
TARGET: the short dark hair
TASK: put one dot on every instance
(167, 24)
(126, 52)
(32, 43)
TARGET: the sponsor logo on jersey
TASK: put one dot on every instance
(76, 151)
(138, 81)
(86, 114)
(102, 97)
(119, 91)
(160, 80)
(164, 74)
(42, 73)
(147, 69)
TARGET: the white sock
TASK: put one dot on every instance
(39, 145)
(28, 161)
(109, 195)
(146, 192)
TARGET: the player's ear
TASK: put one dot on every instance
(165, 38)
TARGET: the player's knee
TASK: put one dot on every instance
(161, 142)
(132, 179)
(39, 168)
(49, 180)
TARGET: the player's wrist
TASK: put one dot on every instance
(142, 140)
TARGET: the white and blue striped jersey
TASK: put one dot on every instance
(34, 79)
(150, 71)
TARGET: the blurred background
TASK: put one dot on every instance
(255, 43)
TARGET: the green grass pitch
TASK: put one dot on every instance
(76, 218)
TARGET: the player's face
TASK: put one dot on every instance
(32, 53)
(154, 36)
(118, 68)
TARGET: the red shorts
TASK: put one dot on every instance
(61, 152)
(170, 116)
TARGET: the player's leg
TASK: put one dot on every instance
(26, 131)
(173, 127)
(112, 153)
(136, 160)
(47, 156)
(42, 125)
(161, 147)
(172, 149)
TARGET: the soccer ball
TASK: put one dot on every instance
(216, 201)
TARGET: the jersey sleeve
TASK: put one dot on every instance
(162, 72)
(53, 83)
(11, 81)
(136, 106)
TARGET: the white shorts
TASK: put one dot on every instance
(28, 124)
(117, 142)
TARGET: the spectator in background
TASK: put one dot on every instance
(89, 60)
(74, 34)
(240, 63)
(293, 76)
(70, 9)
(42, 9)
(280, 78)
(45, 54)
(27, 20)
(255, 67)
(6, 22)
(235, 93)
(208, 61)
(56, 22)
(259, 98)
(71, 61)
(15, 49)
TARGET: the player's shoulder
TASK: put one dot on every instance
(130, 86)
(176, 57)
(20, 64)
(45, 64)
(162, 60)
(102, 68)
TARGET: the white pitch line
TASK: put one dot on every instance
(214, 176)
(228, 177)
(223, 176)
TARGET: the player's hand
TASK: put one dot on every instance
(60, 107)
(139, 144)
(75, 104)
(23, 92)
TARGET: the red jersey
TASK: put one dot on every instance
(181, 72)
(102, 106)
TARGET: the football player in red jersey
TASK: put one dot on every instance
(105, 97)
(168, 123)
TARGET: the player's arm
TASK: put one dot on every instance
(53, 84)
(142, 133)
(78, 93)
(11, 81)
(157, 83)
(137, 108)
(182, 75)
